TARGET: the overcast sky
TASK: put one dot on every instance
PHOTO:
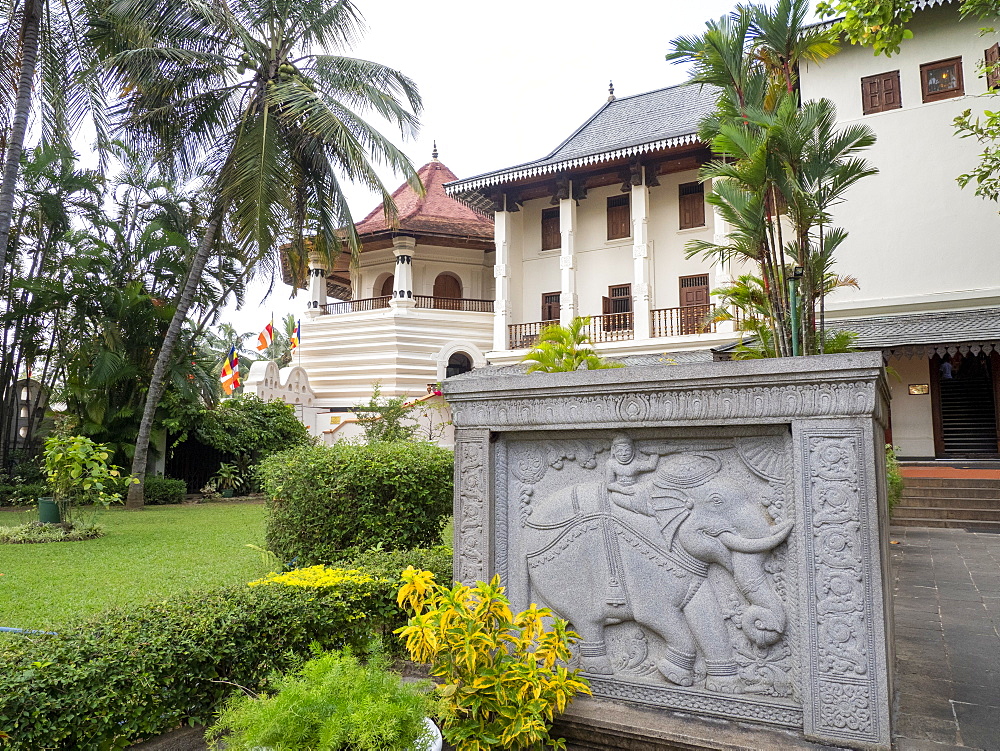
(505, 83)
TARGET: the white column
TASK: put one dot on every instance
(317, 284)
(568, 304)
(402, 284)
(722, 271)
(641, 289)
(501, 271)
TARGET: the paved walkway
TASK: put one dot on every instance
(947, 609)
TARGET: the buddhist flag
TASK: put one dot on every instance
(294, 340)
(265, 337)
(230, 377)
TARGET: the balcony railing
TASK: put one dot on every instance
(524, 335)
(691, 319)
(357, 306)
(611, 327)
(454, 303)
(422, 301)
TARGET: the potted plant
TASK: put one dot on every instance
(78, 472)
(334, 702)
(227, 479)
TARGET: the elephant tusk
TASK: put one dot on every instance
(740, 544)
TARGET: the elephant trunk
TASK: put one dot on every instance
(764, 620)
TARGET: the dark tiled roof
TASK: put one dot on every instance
(435, 213)
(945, 327)
(622, 127)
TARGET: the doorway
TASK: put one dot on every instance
(965, 405)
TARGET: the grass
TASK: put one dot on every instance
(144, 556)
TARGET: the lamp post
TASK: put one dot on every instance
(793, 299)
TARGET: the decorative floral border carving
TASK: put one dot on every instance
(472, 555)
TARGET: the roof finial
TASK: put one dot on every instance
(611, 91)
(434, 154)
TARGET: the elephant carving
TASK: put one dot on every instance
(639, 547)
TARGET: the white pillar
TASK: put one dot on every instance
(641, 289)
(501, 272)
(723, 271)
(317, 284)
(402, 285)
(568, 305)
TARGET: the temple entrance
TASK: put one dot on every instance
(965, 405)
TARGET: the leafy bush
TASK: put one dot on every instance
(23, 494)
(248, 426)
(333, 702)
(327, 502)
(490, 661)
(894, 478)
(163, 490)
(34, 532)
(134, 673)
(390, 564)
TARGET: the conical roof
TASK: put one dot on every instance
(436, 213)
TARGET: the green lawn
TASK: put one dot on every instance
(144, 555)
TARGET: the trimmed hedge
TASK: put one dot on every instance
(23, 494)
(327, 502)
(134, 673)
(163, 490)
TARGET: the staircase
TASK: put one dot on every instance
(971, 503)
(968, 420)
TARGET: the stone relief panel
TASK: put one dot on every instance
(471, 517)
(668, 555)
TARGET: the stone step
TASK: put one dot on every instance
(937, 502)
(950, 482)
(969, 524)
(972, 514)
(951, 494)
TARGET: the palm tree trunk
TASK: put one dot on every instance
(30, 29)
(159, 380)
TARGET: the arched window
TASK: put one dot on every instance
(386, 289)
(458, 363)
(447, 287)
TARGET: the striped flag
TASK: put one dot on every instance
(230, 377)
(294, 340)
(265, 337)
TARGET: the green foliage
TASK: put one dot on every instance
(502, 681)
(332, 703)
(894, 478)
(326, 502)
(228, 477)
(22, 494)
(566, 348)
(36, 532)
(985, 176)
(389, 564)
(382, 418)
(78, 472)
(164, 490)
(247, 426)
(133, 673)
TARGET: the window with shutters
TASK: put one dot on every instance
(551, 239)
(550, 306)
(692, 205)
(616, 308)
(695, 303)
(992, 59)
(942, 80)
(619, 217)
(880, 93)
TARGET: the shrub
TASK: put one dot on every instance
(894, 478)
(333, 702)
(248, 426)
(134, 673)
(327, 502)
(490, 661)
(34, 532)
(163, 490)
(24, 494)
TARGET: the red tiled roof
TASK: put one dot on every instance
(435, 213)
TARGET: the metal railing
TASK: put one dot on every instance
(611, 327)
(467, 305)
(691, 319)
(356, 306)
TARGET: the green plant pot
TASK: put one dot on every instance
(228, 493)
(48, 511)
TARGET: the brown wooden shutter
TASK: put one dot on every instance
(692, 205)
(880, 92)
(694, 297)
(551, 237)
(619, 217)
(992, 59)
(550, 306)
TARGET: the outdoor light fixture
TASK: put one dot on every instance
(797, 272)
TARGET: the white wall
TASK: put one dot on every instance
(912, 419)
(917, 240)
(473, 267)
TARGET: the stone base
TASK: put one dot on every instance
(596, 725)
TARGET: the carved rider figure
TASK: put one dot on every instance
(624, 467)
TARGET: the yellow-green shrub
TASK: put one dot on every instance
(503, 681)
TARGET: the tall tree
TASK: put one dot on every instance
(238, 87)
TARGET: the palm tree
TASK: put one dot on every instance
(566, 348)
(239, 88)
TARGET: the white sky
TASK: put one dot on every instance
(506, 82)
